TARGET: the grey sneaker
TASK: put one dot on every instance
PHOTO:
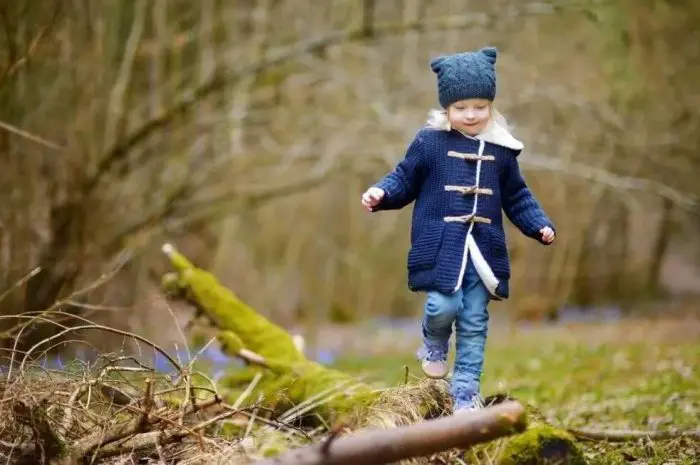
(467, 401)
(433, 360)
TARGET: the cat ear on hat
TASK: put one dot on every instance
(436, 64)
(491, 53)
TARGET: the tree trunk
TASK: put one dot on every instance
(663, 239)
(58, 268)
(58, 271)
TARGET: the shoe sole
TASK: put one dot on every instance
(434, 376)
(462, 411)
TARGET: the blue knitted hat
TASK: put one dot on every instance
(466, 75)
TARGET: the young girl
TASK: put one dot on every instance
(461, 170)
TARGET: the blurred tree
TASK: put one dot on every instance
(246, 131)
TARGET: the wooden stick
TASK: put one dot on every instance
(375, 447)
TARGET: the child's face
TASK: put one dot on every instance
(470, 116)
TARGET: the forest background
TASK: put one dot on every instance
(245, 131)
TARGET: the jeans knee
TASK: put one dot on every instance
(440, 306)
(474, 324)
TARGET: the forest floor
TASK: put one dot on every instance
(632, 374)
(625, 374)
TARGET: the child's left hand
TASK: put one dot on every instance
(547, 235)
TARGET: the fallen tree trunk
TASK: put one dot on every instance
(376, 447)
(300, 390)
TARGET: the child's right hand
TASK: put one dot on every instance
(372, 197)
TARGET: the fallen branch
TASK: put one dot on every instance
(47, 443)
(388, 446)
(153, 439)
(44, 418)
(632, 435)
(68, 410)
(147, 403)
(124, 437)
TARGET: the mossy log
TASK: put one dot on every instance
(540, 444)
(287, 377)
(377, 447)
(301, 389)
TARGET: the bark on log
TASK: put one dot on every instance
(375, 447)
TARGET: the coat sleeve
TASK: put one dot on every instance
(401, 186)
(519, 204)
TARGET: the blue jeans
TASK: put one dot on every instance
(467, 309)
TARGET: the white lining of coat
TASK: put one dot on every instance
(495, 134)
(470, 248)
(482, 267)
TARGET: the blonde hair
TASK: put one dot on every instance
(437, 119)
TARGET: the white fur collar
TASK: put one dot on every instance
(497, 134)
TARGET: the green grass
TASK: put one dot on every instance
(637, 375)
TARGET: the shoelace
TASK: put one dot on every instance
(435, 355)
(432, 353)
(470, 401)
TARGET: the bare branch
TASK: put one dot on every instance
(611, 179)
(170, 206)
(96, 442)
(39, 315)
(14, 62)
(116, 116)
(20, 283)
(68, 410)
(150, 440)
(211, 207)
(29, 136)
(170, 359)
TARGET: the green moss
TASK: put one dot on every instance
(273, 443)
(542, 445)
(283, 390)
(230, 430)
(289, 377)
(171, 285)
(228, 313)
(518, 427)
(230, 342)
(273, 450)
